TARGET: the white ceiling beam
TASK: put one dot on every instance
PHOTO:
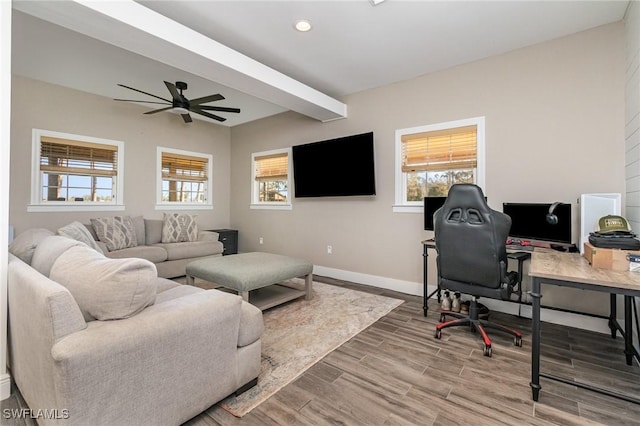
(131, 26)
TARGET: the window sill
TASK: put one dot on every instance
(180, 206)
(75, 207)
(271, 206)
(402, 208)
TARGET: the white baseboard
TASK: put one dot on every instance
(584, 322)
(5, 386)
(406, 287)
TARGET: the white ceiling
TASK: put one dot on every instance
(353, 45)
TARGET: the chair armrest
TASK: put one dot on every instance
(208, 236)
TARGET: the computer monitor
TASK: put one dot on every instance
(431, 204)
(529, 222)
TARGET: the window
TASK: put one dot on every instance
(429, 159)
(184, 179)
(270, 179)
(72, 172)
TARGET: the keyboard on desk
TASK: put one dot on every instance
(519, 247)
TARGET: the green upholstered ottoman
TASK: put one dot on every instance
(246, 272)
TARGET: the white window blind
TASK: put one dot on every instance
(70, 157)
(179, 167)
(272, 167)
(450, 149)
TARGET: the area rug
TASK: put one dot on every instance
(300, 333)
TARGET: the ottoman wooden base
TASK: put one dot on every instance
(258, 273)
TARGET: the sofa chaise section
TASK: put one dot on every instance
(164, 365)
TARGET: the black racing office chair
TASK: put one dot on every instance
(472, 257)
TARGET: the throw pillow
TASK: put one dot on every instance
(179, 227)
(25, 243)
(117, 232)
(106, 289)
(77, 231)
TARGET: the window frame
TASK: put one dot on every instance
(403, 206)
(271, 205)
(183, 205)
(39, 205)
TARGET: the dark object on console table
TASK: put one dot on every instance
(228, 238)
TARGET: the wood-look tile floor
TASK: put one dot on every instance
(396, 373)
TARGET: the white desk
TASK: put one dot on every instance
(573, 270)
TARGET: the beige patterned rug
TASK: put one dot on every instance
(300, 333)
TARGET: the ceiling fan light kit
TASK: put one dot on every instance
(179, 104)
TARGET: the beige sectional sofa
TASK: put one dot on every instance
(101, 341)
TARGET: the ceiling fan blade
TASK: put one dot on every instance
(206, 114)
(205, 99)
(145, 93)
(159, 110)
(186, 118)
(146, 102)
(172, 90)
(213, 108)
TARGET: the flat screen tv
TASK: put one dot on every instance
(529, 222)
(335, 168)
(431, 204)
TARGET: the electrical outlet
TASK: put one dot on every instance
(261, 240)
(329, 249)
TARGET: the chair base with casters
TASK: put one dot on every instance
(476, 322)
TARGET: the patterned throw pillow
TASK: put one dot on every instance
(117, 232)
(179, 227)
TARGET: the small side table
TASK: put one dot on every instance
(229, 239)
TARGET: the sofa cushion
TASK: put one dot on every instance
(117, 232)
(163, 284)
(153, 231)
(49, 250)
(104, 288)
(25, 243)
(138, 225)
(176, 293)
(77, 231)
(150, 253)
(177, 251)
(179, 227)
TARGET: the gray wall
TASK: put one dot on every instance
(45, 106)
(554, 130)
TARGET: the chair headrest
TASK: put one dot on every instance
(466, 195)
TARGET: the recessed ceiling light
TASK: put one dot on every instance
(302, 25)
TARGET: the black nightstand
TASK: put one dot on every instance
(229, 238)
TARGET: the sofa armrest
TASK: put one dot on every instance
(189, 343)
(208, 236)
(41, 313)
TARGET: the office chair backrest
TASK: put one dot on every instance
(471, 238)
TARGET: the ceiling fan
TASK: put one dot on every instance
(181, 105)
